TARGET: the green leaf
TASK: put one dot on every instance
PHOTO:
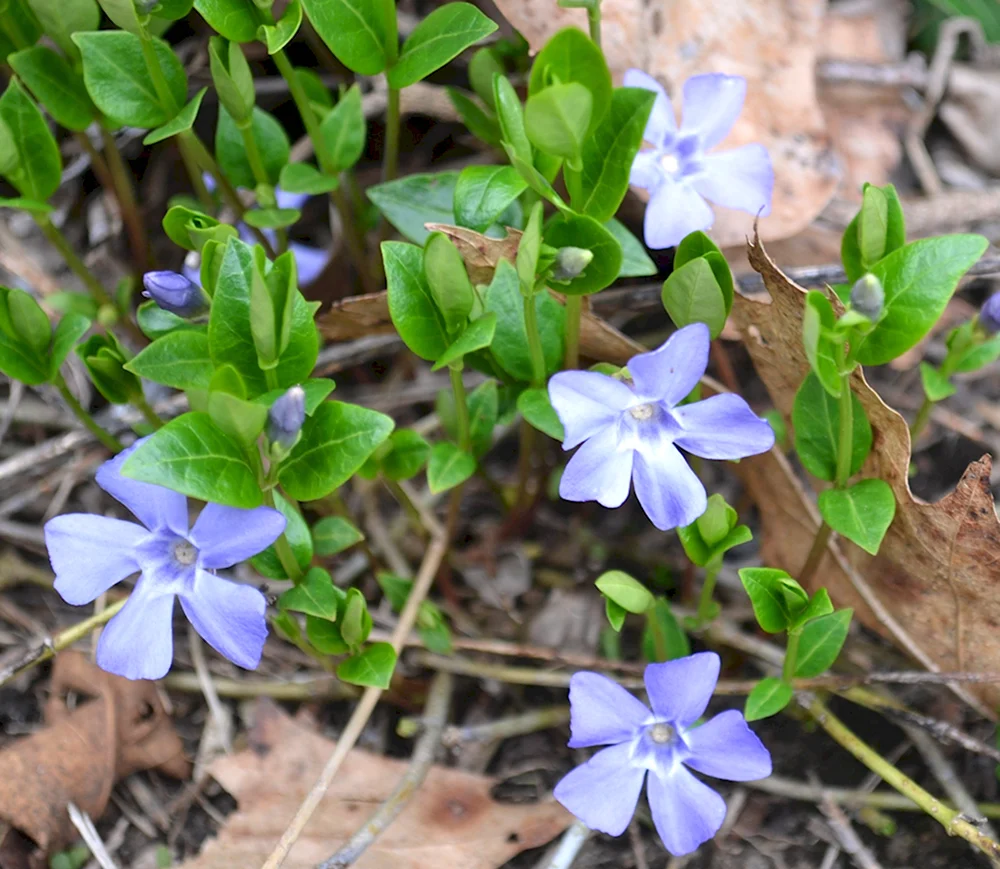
(333, 534)
(483, 65)
(816, 420)
(408, 454)
(448, 467)
(768, 697)
(510, 115)
(230, 150)
(358, 32)
(918, 279)
(873, 220)
(535, 407)
(764, 586)
(356, 622)
(32, 206)
(344, 132)
(122, 13)
(170, 10)
(325, 635)
(571, 56)
(510, 342)
(297, 533)
(691, 294)
(978, 356)
(483, 193)
(478, 336)
(118, 81)
(181, 122)
(600, 185)
(479, 121)
(615, 613)
(529, 250)
(484, 407)
(178, 359)
(630, 594)
(193, 456)
(576, 230)
(72, 327)
(395, 588)
(437, 39)
(411, 304)
(448, 282)
(821, 642)
(861, 513)
(557, 119)
(663, 639)
(305, 178)
(60, 19)
(819, 605)
(698, 245)
(37, 170)
(234, 19)
(277, 36)
(56, 85)
(335, 442)
(315, 595)
(635, 261)
(877, 230)
(410, 202)
(818, 320)
(272, 218)
(371, 668)
(242, 420)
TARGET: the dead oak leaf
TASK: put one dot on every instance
(939, 565)
(451, 821)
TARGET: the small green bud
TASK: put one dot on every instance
(105, 359)
(868, 297)
(716, 522)
(232, 78)
(570, 263)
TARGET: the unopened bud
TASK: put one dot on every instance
(868, 297)
(571, 262)
(989, 314)
(144, 7)
(285, 419)
(175, 293)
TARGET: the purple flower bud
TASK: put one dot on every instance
(571, 262)
(144, 7)
(284, 421)
(989, 314)
(868, 297)
(176, 293)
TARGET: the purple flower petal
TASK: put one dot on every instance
(155, 506)
(668, 490)
(680, 690)
(138, 643)
(712, 103)
(587, 402)
(675, 210)
(670, 372)
(646, 171)
(310, 261)
(726, 748)
(89, 554)
(722, 427)
(229, 617)
(290, 200)
(225, 536)
(661, 124)
(741, 178)
(602, 712)
(598, 471)
(604, 791)
(686, 812)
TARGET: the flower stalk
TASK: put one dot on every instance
(109, 440)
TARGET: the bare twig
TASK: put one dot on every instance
(840, 824)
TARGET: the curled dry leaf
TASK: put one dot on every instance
(83, 751)
(451, 821)
(932, 587)
(772, 43)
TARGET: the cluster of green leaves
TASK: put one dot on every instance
(663, 638)
(30, 349)
(700, 287)
(816, 633)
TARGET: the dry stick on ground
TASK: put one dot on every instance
(359, 718)
(434, 719)
(840, 824)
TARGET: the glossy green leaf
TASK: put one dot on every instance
(816, 420)
(71, 328)
(862, 513)
(272, 218)
(242, 420)
(483, 65)
(315, 595)
(819, 605)
(576, 230)
(56, 85)
(22, 203)
(510, 115)
(615, 613)
(356, 621)
(630, 594)
(192, 455)
(333, 534)
(335, 442)
(821, 642)
(691, 294)
(277, 36)
(764, 586)
(448, 282)
(697, 244)
(448, 466)
(478, 336)
(818, 320)
(180, 123)
(358, 32)
(234, 19)
(230, 150)
(122, 13)
(372, 668)
(535, 407)
(484, 407)
(479, 121)
(635, 261)
(232, 78)
(411, 305)
(344, 132)
(440, 37)
(557, 119)
(34, 164)
(408, 454)
(768, 697)
(571, 56)
(410, 202)
(483, 193)
(324, 635)
(300, 541)
(663, 639)
(879, 227)
(305, 178)
(60, 19)
(178, 359)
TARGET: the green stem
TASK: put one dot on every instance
(123, 185)
(949, 818)
(708, 590)
(265, 189)
(109, 440)
(271, 379)
(77, 265)
(194, 173)
(390, 156)
(922, 418)
(594, 21)
(146, 409)
(845, 447)
(791, 655)
(534, 343)
(282, 547)
(526, 446)
(816, 553)
(574, 313)
(461, 407)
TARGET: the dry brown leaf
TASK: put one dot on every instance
(480, 252)
(82, 752)
(772, 43)
(939, 566)
(452, 821)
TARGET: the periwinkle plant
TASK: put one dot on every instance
(501, 293)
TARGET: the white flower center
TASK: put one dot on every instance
(642, 412)
(662, 733)
(670, 164)
(185, 553)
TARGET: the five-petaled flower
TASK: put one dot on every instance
(89, 554)
(678, 171)
(664, 741)
(630, 432)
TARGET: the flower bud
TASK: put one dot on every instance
(989, 314)
(285, 419)
(571, 262)
(175, 293)
(868, 297)
(144, 7)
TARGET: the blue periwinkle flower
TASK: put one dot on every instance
(678, 170)
(989, 314)
(89, 554)
(631, 432)
(664, 742)
(285, 418)
(176, 293)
